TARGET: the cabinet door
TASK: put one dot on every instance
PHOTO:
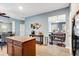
(29, 48)
(17, 50)
(9, 48)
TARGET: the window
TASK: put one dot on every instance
(63, 27)
(53, 27)
(52, 19)
(13, 26)
(57, 23)
(62, 17)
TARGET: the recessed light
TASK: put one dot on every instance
(20, 8)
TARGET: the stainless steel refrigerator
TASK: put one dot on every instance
(75, 34)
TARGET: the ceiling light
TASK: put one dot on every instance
(20, 8)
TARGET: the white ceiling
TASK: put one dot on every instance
(29, 9)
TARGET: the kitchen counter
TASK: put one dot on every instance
(21, 38)
(21, 46)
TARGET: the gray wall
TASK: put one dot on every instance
(43, 20)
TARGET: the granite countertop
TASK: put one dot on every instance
(21, 38)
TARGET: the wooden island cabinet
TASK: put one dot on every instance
(21, 46)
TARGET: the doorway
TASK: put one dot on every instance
(22, 28)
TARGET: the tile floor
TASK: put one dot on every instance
(42, 50)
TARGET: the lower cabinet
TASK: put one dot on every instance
(16, 48)
(9, 48)
(30, 48)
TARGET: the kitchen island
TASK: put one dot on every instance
(21, 46)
